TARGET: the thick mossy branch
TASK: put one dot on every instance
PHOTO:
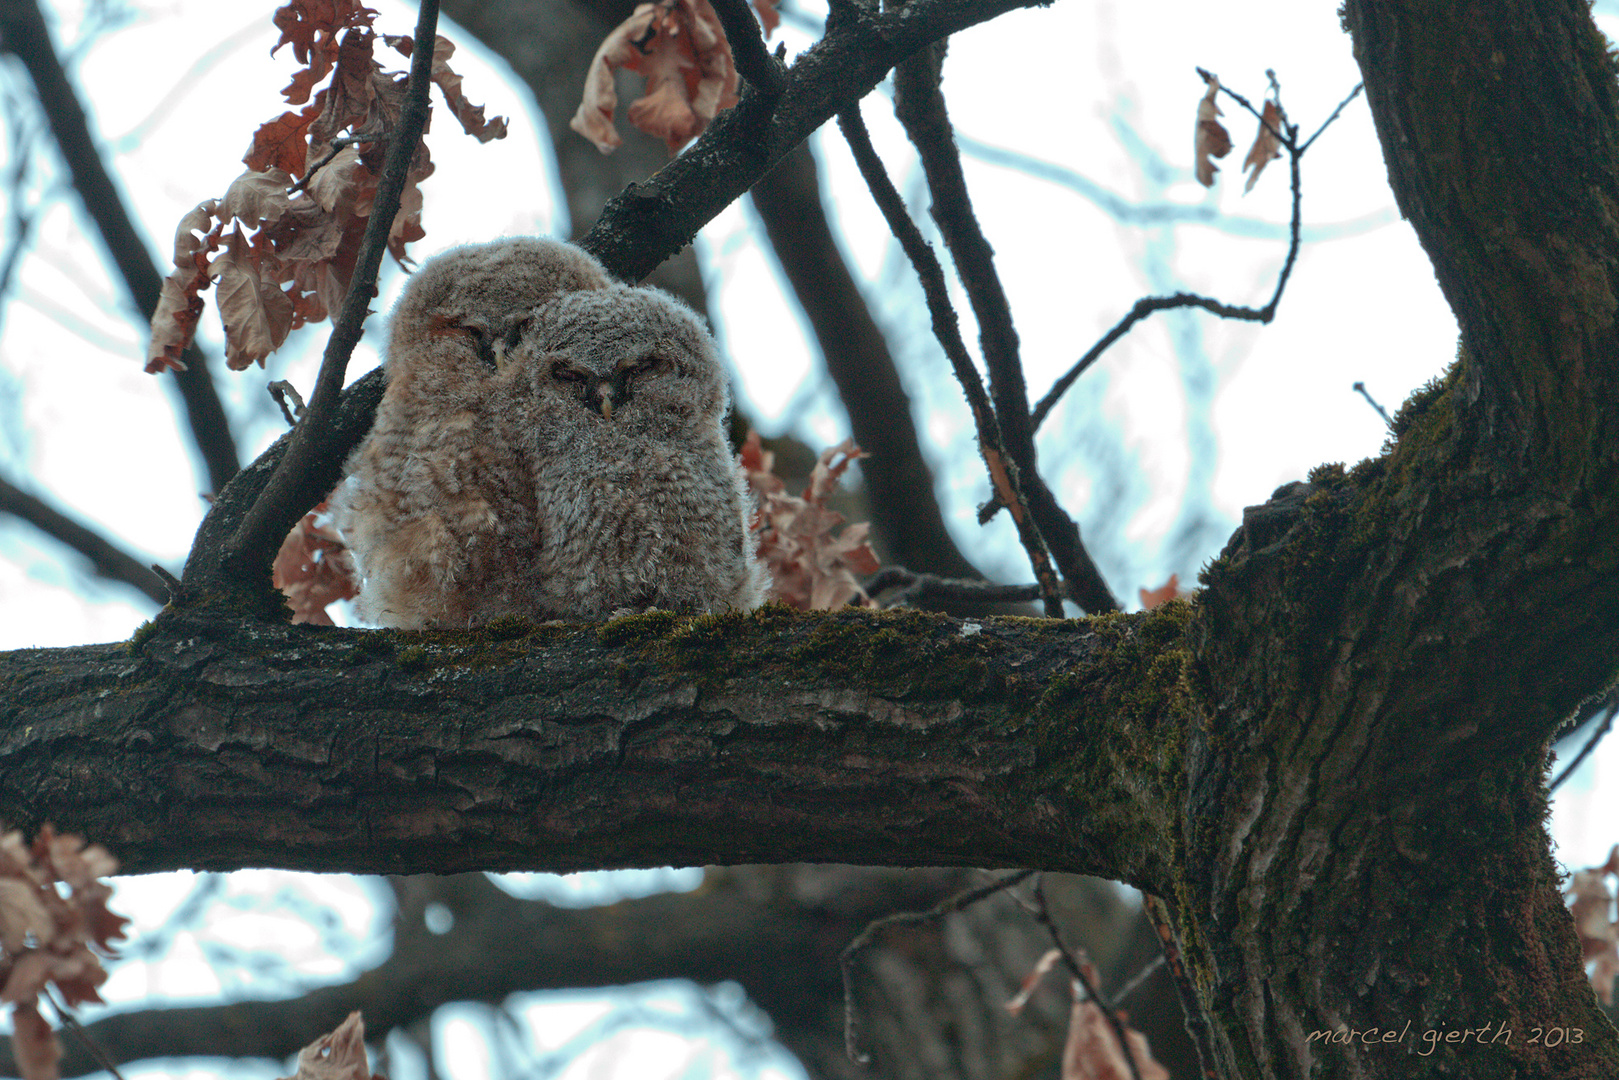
(897, 738)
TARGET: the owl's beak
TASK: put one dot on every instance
(600, 397)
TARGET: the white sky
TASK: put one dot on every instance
(177, 91)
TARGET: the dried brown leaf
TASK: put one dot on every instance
(283, 143)
(768, 16)
(256, 313)
(1169, 590)
(337, 1056)
(314, 569)
(812, 566)
(1212, 140)
(1591, 904)
(22, 915)
(1092, 1051)
(1267, 143)
(34, 1044)
(680, 49)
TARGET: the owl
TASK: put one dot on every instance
(551, 445)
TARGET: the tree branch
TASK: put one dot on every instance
(109, 560)
(775, 736)
(761, 70)
(248, 552)
(921, 109)
(23, 33)
(1003, 472)
(904, 512)
(651, 221)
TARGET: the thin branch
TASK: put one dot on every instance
(23, 32)
(762, 71)
(1585, 751)
(110, 561)
(866, 937)
(249, 551)
(281, 390)
(1353, 94)
(1002, 471)
(1042, 914)
(921, 110)
(905, 513)
(1149, 304)
(1360, 388)
(927, 590)
(1139, 979)
(650, 221)
(66, 1018)
(1197, 1024)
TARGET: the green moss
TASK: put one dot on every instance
(412, 658)
(1125, 713)
(1327, 473)
(630, 629)
(143, 633)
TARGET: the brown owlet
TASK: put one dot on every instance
(550, 445)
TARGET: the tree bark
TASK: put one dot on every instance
(902, 739)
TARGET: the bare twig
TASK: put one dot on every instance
(1150, 304)
(1353, 94)
(66, 1018)
(929, 589)
(1139, 979)
(864, 940)
(921, 110)
(281, 390)
(1042, 914)
(904, 511)
(256, 539)
(109, 560)
(1197, 1024)
(1002, 471)
(1585, 751)
(762, 71)
(23, 32)
(1360, 388)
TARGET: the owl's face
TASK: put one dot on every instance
(632, 358)
(462, 309)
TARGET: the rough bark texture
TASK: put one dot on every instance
(1386, 653)
(883, 738)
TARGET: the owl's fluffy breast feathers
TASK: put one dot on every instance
(550, 444)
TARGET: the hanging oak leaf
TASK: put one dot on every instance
(1266, 143)
(1212, 139)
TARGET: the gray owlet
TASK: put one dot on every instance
(550, 445)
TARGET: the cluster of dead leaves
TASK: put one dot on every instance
(1212, 140)
(51, 938)
(281, 244)
(314, 568)
(812, 568)
(680, 48)
(1591, 902)
(1092, 1050)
